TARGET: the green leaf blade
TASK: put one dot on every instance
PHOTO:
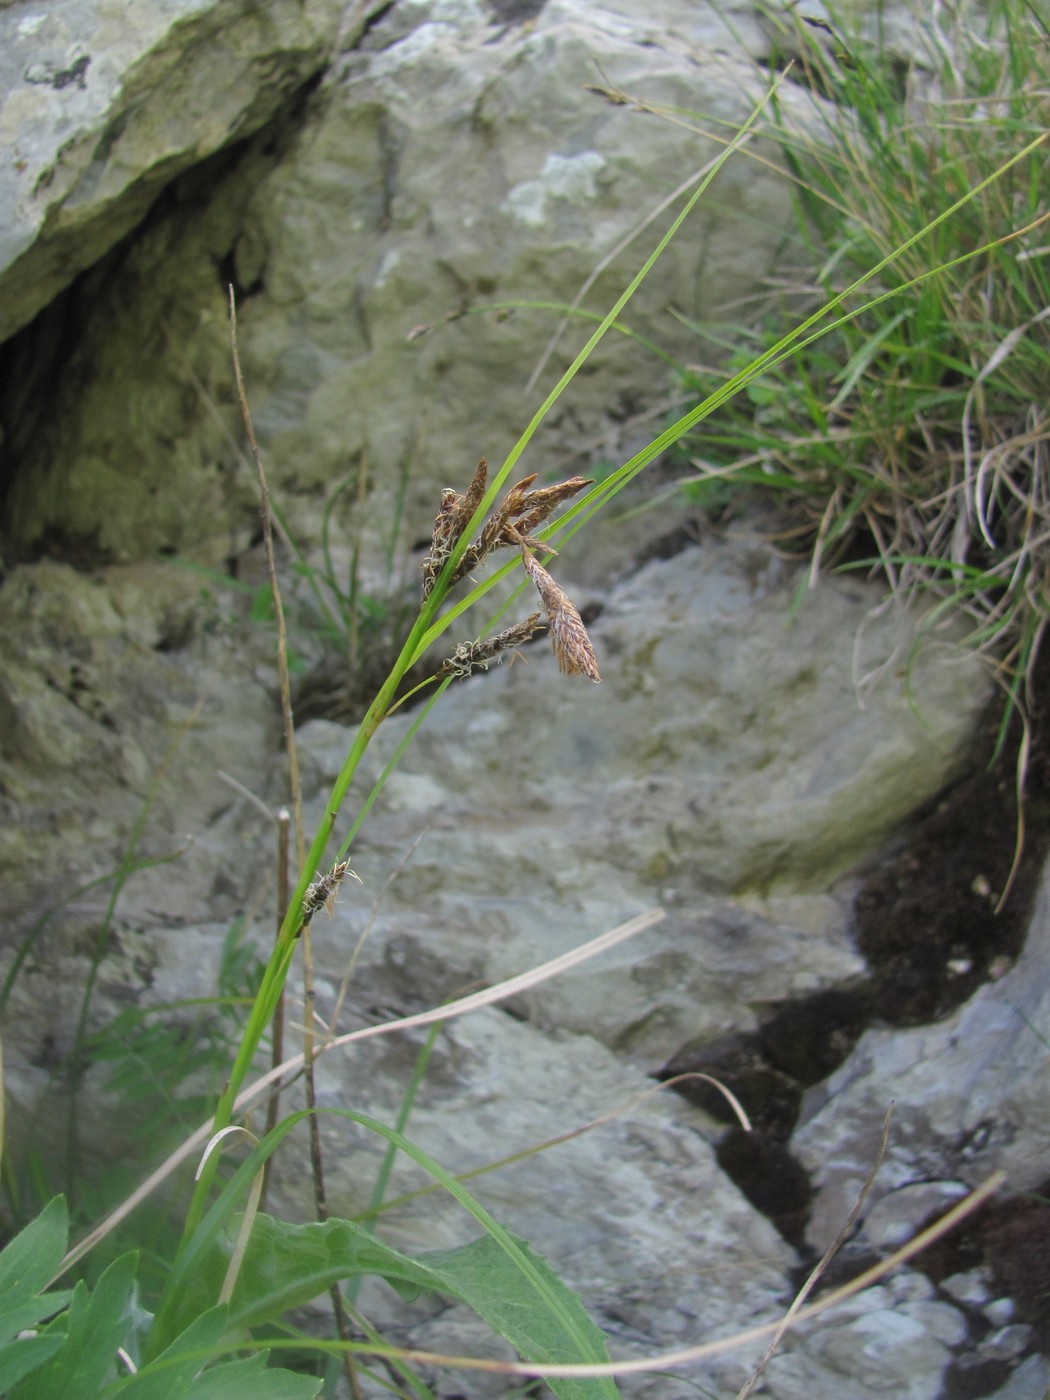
(172, 1375)
(27, 1265)
(250, 1379)
(556, 1328)
(20, 1357)
(513, 1290)
(178, 1373)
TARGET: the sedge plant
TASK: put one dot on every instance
(208, 1311)
(912, 441)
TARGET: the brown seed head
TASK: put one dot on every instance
(572, 646)
(475, 656)
(513, 521)
(452, 519)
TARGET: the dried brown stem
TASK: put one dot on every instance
(295, 784)
(287, 721)
(825, 1259)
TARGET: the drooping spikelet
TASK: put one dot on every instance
(572, 646)
(539, 504)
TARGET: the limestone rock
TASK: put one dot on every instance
(373, 215)
(114, 728)
(890, 1340)
(727, 769)
(747, 749)
(101, 108)
(549, 809)
(969, 1094)
(639, 1242)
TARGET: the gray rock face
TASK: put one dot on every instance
(452, 161)
(101, 108)
(893, 1340)
(961, 1090)
(545, 816)
(546, 811)
(112, 728)
(663, 785)
(637, 1241)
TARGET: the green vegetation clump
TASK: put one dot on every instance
(914, 437)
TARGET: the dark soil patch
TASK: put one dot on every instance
(929, 920)
(1009, 1240)
(798, 1044)
(341, 691)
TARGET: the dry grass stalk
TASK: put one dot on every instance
(811, 1282)
(488, 996)
(324, 889)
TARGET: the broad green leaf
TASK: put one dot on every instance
(26, 1266)
(555, 1328)
(287, 1265)
(193, 1284)
(29, 1314)
(515, 1291)
(249, 1379)
(20, 1357)
(95, 1326)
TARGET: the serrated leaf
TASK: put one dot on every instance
(481, 1274)
(287, 1265)
(172, 1375)
(29, 1314)
(177, 1374)
(26, 1266)
(94, 1327)
(515, 1291)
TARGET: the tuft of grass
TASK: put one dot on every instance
(914, 438)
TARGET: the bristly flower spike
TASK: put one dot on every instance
(521, 512)
(322, 893)
(451, 520)
(475, 656)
